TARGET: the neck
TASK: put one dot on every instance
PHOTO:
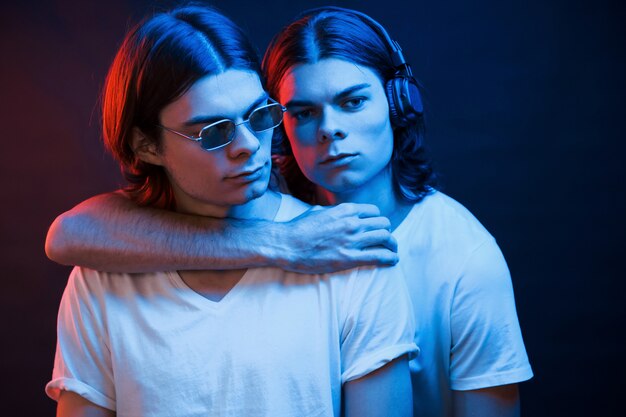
(378, 191)
(263, 207)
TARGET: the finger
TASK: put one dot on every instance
(358, 210)
(374, 223)
(377, 256)
(377, 239)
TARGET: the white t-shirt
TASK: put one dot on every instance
(277, 344)
(460, 286)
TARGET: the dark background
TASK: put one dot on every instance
(526, 107)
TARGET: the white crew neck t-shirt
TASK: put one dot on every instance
(466, 323)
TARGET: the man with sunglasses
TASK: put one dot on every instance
(192, 127)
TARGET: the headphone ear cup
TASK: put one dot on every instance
(395, 106)
(405, 101)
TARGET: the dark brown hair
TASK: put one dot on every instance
(159, 60)
(343, 34)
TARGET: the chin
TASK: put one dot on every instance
(256, 194)
(252, 192)
(342, 184)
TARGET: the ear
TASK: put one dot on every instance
(144, 148)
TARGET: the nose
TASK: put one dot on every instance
(329, 127)
(244, 144)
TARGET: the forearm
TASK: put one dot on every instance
(109, 232)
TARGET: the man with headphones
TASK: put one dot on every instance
(472, 354)
(343, 81)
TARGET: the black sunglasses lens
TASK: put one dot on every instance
(217, 135)
(266, 117)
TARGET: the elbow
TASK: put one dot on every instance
(73, 236)
(58, 247)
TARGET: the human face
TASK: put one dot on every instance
(337, 121)
(211, 182)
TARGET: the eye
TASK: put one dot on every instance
(353, 103)
(301, 115)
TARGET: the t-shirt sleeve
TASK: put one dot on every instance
(487, 348)
(379, 322)
(82, 362)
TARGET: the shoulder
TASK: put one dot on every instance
(371, 283)
(84, 280)
(445, 209)
(97, 286)
(441, 221)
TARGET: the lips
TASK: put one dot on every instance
(340, 159)
(247, 175)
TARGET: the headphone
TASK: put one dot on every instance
(405, 101)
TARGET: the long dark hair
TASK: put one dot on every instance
(342, 33)
(159, 60)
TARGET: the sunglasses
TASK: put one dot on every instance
(221, 133)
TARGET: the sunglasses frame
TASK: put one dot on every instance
(247, 122)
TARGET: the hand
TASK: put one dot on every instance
(337, 238)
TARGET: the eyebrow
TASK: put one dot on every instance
(340, 95)
(206, 119)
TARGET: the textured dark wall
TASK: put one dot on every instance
(525, 104)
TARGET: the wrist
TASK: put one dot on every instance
(262, 242)
(274, 248)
